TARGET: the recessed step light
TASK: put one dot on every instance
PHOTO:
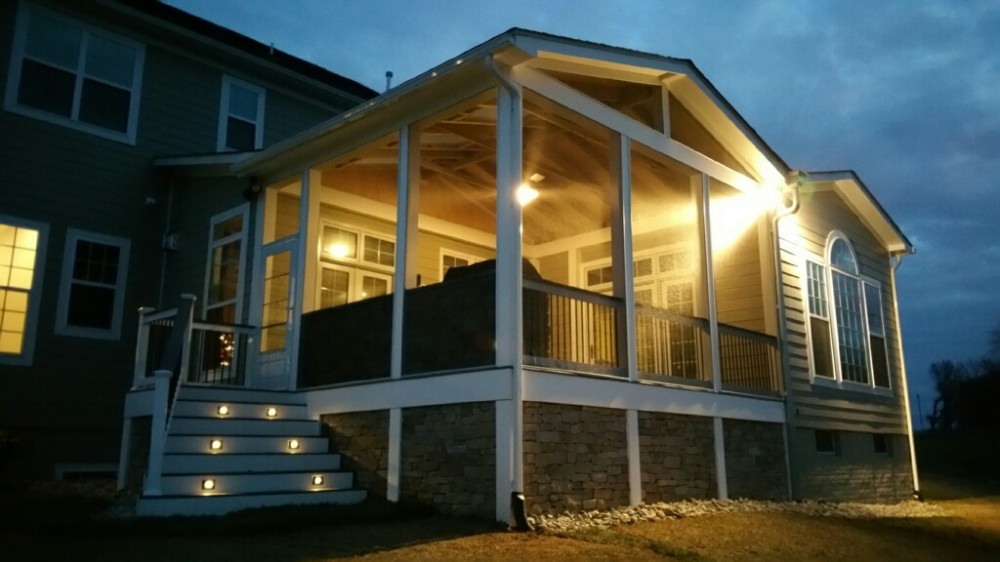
(215, 444)
(271, 412)
(317, 480)
(208, 484)
(293, 444)
(222, 410)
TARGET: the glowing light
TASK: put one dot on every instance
(525, 194)
(223, 410)
(317, 480)
(271, 412)
(338, 250)
(293, 444)
(208, 484)
(733, 216)
(215, 444)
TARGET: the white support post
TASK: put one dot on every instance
(394, 453)
(634, 466)
(509, 291)
(713, 315)
(141, 348)
(504, 458)
(720, 459)
(621, 260)
(407, 208)
(157, 432)
(298, 277)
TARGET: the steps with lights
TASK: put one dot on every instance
(231, 449)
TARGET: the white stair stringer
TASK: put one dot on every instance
(266, 453)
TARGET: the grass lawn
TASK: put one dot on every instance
(63, 525)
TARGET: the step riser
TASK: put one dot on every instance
(215, 394)
(191, 485)
(245, 445)
(228, 463)
(221, 505)
(194, 409)
(209, 426)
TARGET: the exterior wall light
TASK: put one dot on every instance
(222, 410)
(215, 444)
(293, 444)
(271, 412)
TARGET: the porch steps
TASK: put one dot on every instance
(259, 451)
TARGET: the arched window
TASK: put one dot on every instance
(847, 330)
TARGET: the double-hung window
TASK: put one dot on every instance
(224, 285)
(92, 291)
(75, 75)
(21, 257)
(356, 265)
(241, 116)
(846, 325)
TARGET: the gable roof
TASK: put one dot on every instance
(171, 17)
(856, 194)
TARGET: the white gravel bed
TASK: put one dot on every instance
(693, 508)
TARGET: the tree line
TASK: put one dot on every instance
(968, 393)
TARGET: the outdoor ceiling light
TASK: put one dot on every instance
(317, 480)
(223, 410)
(293, 444)
(271, 412)
(208, 484)
(215, 445)
(526, 194)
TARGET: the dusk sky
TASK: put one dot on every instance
(905, 93)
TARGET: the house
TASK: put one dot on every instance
(94, 92)
(546, 274)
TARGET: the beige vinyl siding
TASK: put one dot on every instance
(818, 406)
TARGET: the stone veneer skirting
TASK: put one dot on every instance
(855, 472)
(448, 457)
(755, 460)
(362, 440)
(575, 457)
(676, 456)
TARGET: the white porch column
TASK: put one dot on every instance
(720, 459)
(634, 464)
(394, 454)
(504, 458)
(509, 340)
(713, 316)
(407, 209)
(302, 255)
(621, 250)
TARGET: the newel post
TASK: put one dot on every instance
(141, 347)
(158, 432)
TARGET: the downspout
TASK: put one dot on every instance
(517, 500)
(794, 179)
(917, 495)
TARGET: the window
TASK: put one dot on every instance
(21, 245)
(846, 328)
(73, 74)
(881, 444)
(357, 265)
(224, 283)
(827, 442)
(241, 116)
(92, 291)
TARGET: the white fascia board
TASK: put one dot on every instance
(602, 392)
(602, 56)
(488, 385)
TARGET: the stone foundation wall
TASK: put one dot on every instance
(362, 440)
(855, 473)
(448, 458)
(755, 460)
(676, 457)
(575, 458)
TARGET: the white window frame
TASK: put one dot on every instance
(837, 381)
(356, 267)
(442, 252)
(26, 357)
(227, 83)
(63, 327)
(14, 77)
(244, 211)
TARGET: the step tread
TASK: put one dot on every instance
(250, 494)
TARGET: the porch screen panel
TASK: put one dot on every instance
(667, 257)
(274, 317)
(748, 350)
(449, 313)
(567, 161)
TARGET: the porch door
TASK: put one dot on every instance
(277, 318)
